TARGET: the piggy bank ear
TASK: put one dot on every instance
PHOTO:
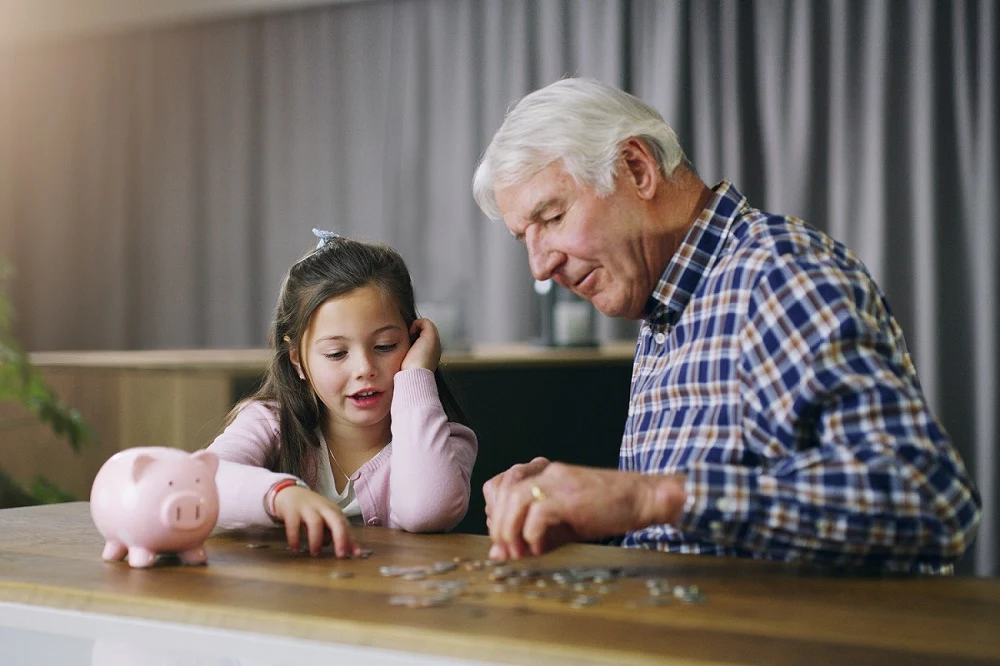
(208, 459)
(140, 464)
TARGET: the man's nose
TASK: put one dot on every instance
(543, 260)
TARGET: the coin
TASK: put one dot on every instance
(583, 600)
(443, 567)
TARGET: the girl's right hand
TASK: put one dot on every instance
(296, 506)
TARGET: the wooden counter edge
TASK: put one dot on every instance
(452, 644)
(255, 360)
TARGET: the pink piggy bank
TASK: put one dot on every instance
(152, 500)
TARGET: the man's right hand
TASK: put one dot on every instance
(506, 479)
(554, 503)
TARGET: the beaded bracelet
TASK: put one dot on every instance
(273, 493)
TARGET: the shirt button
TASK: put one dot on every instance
(660, 338)
(722, 504)
(374, 522)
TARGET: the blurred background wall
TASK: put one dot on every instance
(161, 164)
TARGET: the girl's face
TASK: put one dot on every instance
(351, 350)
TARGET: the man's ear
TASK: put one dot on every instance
(641, 166)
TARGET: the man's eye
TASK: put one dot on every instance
(554, 219)
(336, 356)
(386, 348)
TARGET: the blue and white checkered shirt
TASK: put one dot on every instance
(771, 373)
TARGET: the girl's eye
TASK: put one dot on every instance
(554, 219)
(386, 348)
(336, 356)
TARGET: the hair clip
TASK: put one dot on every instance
(324, 237)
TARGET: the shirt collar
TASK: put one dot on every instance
(695, 256)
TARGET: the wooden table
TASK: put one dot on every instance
(754, 612)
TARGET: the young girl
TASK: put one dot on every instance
(352, 422)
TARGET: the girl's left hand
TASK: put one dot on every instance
(425, 352)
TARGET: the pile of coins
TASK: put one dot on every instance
(363, 554)
(418, 573)
(576, 586)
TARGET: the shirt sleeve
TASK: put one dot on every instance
(432, 458)
(851, 469)
(243, 479)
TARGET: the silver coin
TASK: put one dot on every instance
(402, 599)
(443, 567)
(584, 600)
(693, 598)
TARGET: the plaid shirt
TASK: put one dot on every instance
(771, 373)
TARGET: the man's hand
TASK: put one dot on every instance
(561, 503)
(425, 352)
(301, 506)
(504, 480)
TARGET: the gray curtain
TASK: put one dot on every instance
(155, 184)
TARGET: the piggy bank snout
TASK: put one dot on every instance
(184, 510)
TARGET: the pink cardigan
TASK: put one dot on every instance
(419, 482)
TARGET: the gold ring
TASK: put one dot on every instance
(537, 493)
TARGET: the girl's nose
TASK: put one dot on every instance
(365, 368)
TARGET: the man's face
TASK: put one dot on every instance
(588, 244)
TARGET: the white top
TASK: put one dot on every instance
(325, 486)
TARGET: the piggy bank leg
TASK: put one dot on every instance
(140, 558)
(114, 551)
(194, 556)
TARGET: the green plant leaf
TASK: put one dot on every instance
(12, 494)
(22, 382)
(46, 492)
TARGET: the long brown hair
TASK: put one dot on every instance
(340, 266)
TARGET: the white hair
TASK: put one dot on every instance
(582, 122)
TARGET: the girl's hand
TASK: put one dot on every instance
(425, 352)
(301, 506)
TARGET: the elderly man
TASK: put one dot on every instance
(775, 411)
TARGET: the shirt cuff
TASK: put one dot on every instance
(721, 499)
(415, 387)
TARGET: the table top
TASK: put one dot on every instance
(751, 612)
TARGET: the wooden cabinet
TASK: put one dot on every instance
(522, 401)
